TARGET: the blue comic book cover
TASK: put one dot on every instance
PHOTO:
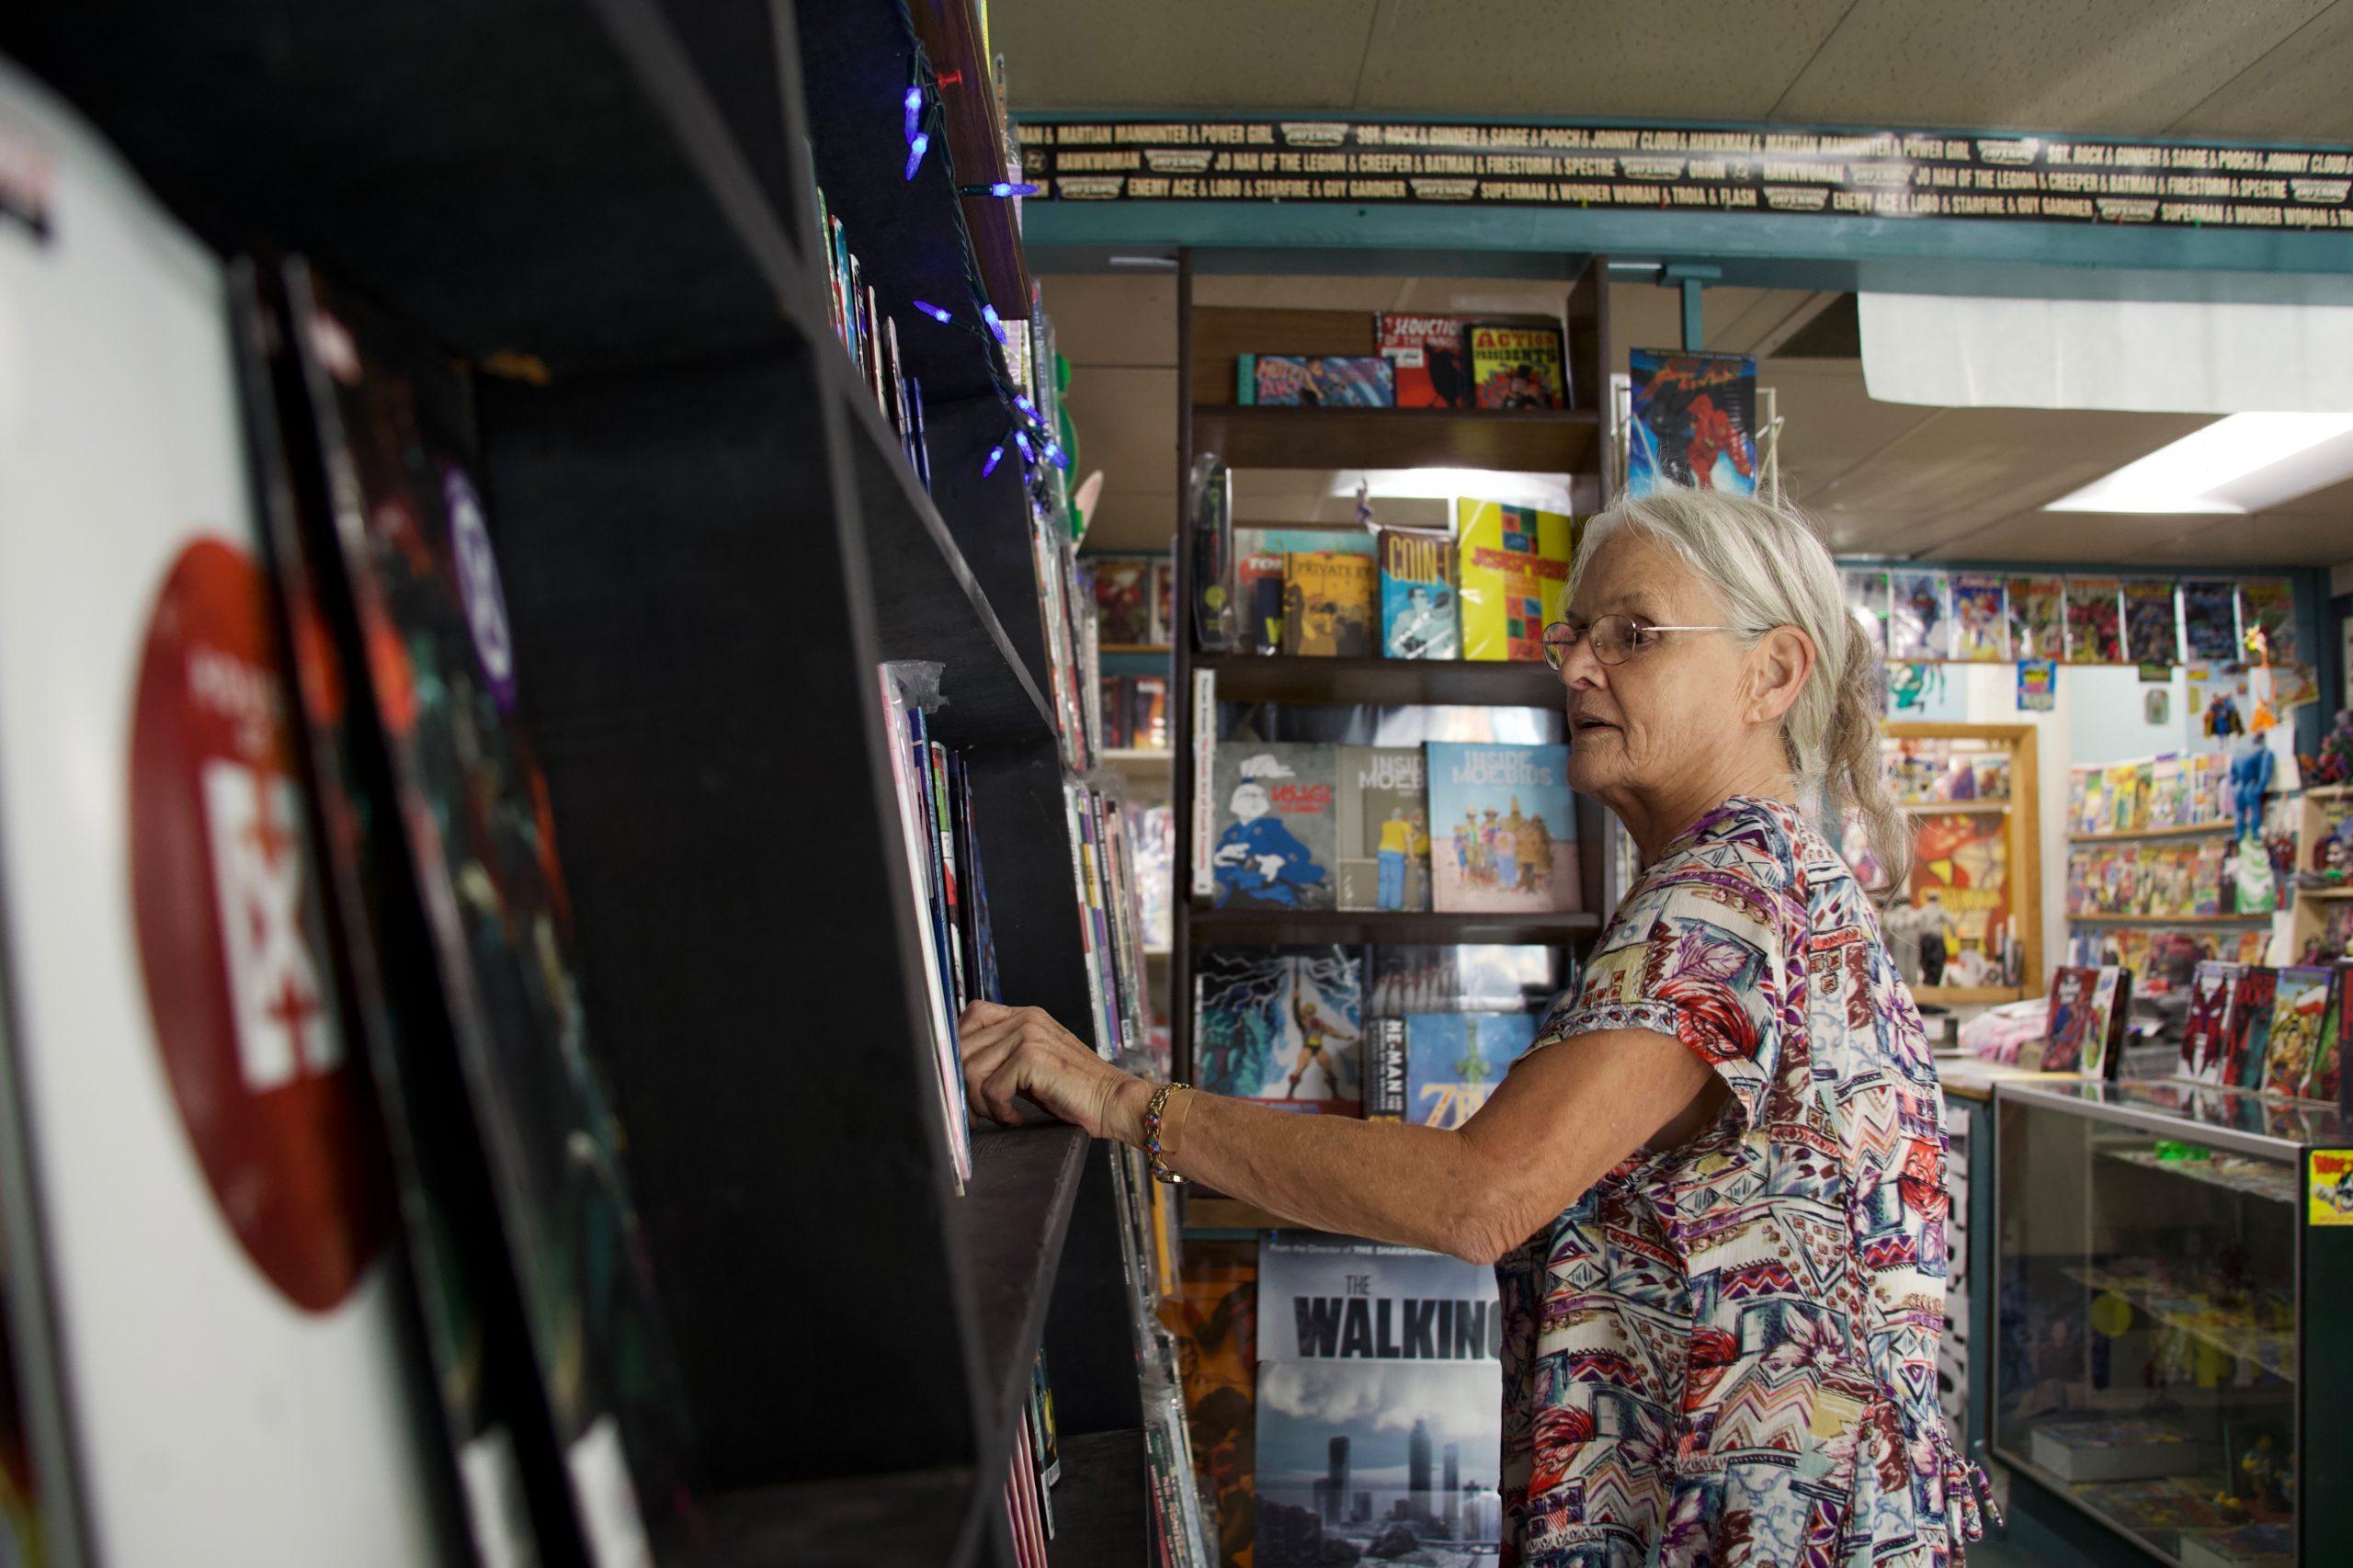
(1280, 1025)
(1418, 606)
(1504, 832)
(1453, 1061)
(1694, 422)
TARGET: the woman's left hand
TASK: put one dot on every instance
(1021, 1050)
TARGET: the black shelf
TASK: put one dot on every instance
(1014, 1216)
(850, 1522)
(547, 180)
(1251, 926)
(1276, 677)
(927, 603)
(1100, 1512)
(1527, 440)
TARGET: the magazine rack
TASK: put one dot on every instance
(709, 538)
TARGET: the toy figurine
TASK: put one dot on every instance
(2335, 763)
(2251, 770)
(2222, 719)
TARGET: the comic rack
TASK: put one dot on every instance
(1571, 442)
(709, 537)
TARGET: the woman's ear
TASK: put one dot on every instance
(1778, 665)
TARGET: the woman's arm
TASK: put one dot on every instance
(1560, 1121)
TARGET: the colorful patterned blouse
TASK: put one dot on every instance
(1728, 1351)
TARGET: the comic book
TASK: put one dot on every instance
(1453, 1061)
(1866, 591)
(2094, 634)
(2321, 1075)
(1515, 566)
(1274, 823)
(1329, 381)
(2270, 603)
(2210, 1021)
(474, 1333)
(1504, 828)
(1960, 862)
(1919, 614)
(1418, 607)
(1981, 629)
(2038, 617)
(1378, 1402)
(2104, 1020)
(1383, 828)
(418, 575)
(2152, 633)
(1519, 367)
(2298, 1009)
(1430, 360)
(1694, 422)
(1475, 978)
(2247, 1040)
(1123, 607)
(1215, 1314)
(211, 1307)
(1280, 1026)
(1164, 601)
(1328, 604)
(2209, 621)
(1258, 595)
(2063, 1042)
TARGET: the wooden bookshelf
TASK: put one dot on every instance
(973, 113)
(1277, 678)
(619, 194)
(1967, 996)
(1568, 442)
(1532, 440)
(2185, 920)
(1421, 926)
(2179, 830)
(1950, 808)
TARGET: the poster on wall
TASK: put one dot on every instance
(2209, 621)
(1919, 614)
(2037, 616)
(2037, 686)
(1918, 691)
(220, 1238)
(1694, 422)
(2151, 637)
(1866, 591)
(1981, 629)
(1960, 864)
(2094, 628)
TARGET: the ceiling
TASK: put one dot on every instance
(1879, 478)
(2256, 69)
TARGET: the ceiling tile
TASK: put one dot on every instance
(1669, 59)
(2124, 66)
(1125, 318)
(2295, 93)
(1207, 54)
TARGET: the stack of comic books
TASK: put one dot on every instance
(1103, 870)
(870, 333)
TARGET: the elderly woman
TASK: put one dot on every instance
(1713, 1193)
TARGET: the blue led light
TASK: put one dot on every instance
(1057, 457)
(996, 456)
(917, 145)
(914, 110)
(996, 325)
(1026, 406)
(934, 311)
(1022, 441)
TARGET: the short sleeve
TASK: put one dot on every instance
(1695, 954)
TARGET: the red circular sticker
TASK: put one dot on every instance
(231, 940)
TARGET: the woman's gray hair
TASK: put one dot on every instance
(1772, 570)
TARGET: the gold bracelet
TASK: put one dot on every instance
(1152, 1110)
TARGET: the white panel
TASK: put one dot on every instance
(2154, 355)
(217, 1421)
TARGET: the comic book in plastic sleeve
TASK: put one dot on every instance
(1430, 360)
(1513, 568)
(2095, 624)
(2037, 616)
(1519, 367)
(1419, 615)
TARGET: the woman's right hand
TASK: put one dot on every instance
(1012, 1051)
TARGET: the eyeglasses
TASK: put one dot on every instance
(1614, 638)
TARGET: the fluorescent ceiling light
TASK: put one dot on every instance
(2242, 463)
(1446, 484)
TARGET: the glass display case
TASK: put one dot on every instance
(2172, 1266)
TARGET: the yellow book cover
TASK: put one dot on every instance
(1515, 567)
(1328, 597)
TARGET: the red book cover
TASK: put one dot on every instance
(2251, 1000)
(2071, 996)
(2214, 990)
(1432, 363)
